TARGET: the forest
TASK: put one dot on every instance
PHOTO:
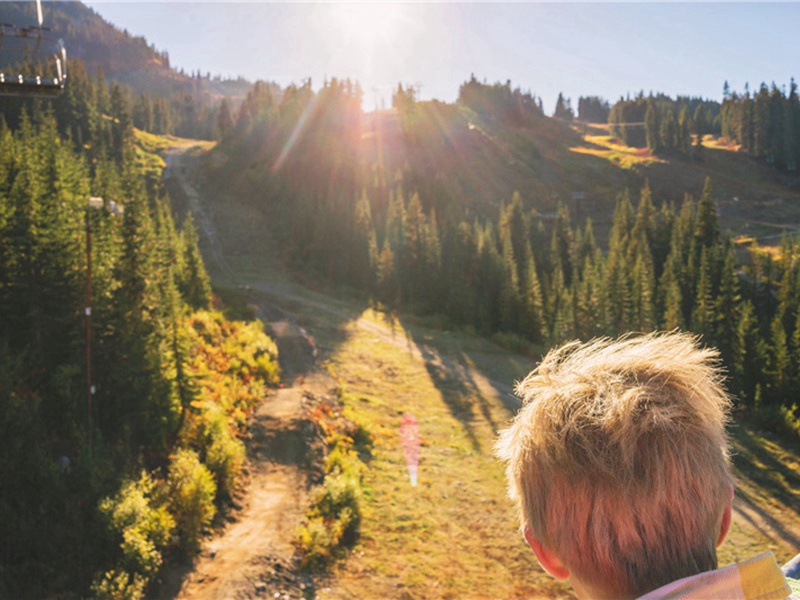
(526, 279)
(118, 457)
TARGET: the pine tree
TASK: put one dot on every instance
(778, 361)
(727, 308)
(386, 276)
(533, 324)
(195, 284)
(224, 122)
(707, 228)
(703, 313)
(749, 365)
(509, 293)
(684, 135)
(644, 289)
(563, 109)
(652, 129)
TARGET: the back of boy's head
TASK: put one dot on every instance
(618, 459)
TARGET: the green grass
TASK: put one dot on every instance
(453, 536)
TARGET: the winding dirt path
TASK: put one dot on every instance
(233, 564)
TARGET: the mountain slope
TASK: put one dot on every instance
(119, 55)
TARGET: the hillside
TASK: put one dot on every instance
(481, 161)
(461, 161)
(453, 535)
(120, 56)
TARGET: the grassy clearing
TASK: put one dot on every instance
(453, 536)
(151, 150)
(625, 157)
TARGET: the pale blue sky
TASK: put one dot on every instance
(578, 48)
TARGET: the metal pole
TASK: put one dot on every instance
(89, 387)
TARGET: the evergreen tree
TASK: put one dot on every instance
(703, 313)
(683, 136)
(652, 128)
(563, 109)
(194, 282)
(707, 228)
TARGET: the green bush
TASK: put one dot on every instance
(224, 454)
(315, 542)
(191, 495)
(334, 517)
(138, 516)
(119, 585)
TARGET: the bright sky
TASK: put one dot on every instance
(577, 48)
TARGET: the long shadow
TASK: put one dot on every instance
(451, 370)
(782, 482)
(774, 524)
(456, 388)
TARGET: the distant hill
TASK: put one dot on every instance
(462, 159)
(121, 56)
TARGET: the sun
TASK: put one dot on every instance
(370, 25)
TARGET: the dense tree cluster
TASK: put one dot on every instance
(539, 278)
(766, 123)
(661, 123)
(499, 100)
(65, 448)
(593, 109)
(96, 114)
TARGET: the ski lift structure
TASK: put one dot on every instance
(33, 62)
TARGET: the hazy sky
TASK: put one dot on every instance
(578, 48)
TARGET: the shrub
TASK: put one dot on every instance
(224, 457)
(138, 516)
(334, 516)
(119, 585)
(191, 495)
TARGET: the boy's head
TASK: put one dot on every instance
(618, 461)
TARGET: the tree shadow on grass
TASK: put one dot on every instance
(774, 525)
(755, 463)
(455, 375)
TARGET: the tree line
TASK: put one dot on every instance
(765, 123)
(99, 492)
(661, 123)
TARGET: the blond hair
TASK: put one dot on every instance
(618, 459)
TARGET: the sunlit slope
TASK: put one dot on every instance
(464, 163)
(482, 161)
(450, 153)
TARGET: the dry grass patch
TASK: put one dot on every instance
(609, 148)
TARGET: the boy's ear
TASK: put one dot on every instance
(549, 561)
(726, 519)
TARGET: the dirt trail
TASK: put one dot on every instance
(234, 564)
(252, 555)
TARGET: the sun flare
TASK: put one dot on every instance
(368, 24)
